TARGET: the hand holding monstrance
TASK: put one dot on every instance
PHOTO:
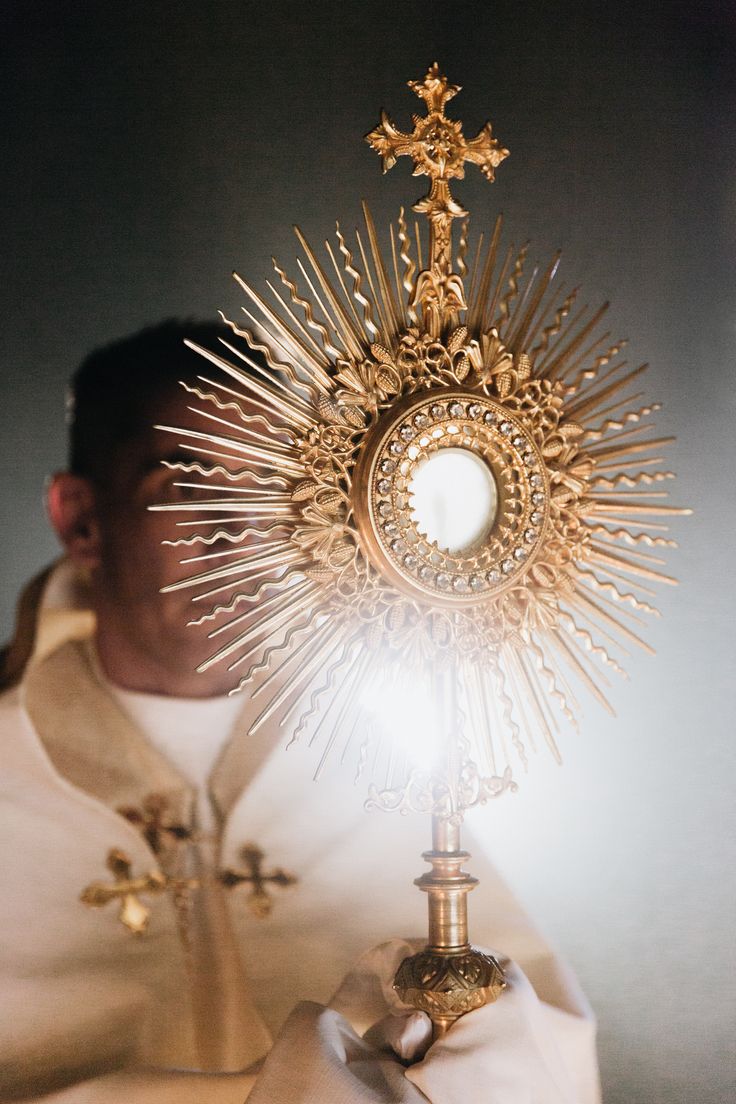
(442, 481)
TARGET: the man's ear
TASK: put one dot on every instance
(71, 505)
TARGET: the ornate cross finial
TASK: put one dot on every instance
(439, 150)
(156, 828)
(126, 889)
(259, 900)
(437, 144)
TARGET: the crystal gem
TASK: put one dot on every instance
(384, 486)
(489, 417)
(518, 442)
(493, 575)
(420, 420)
(506, 428)
(530, 535)
(507, 566)
(387, 466)
(385, 509)
(437, 411)
(442, 580)
(455, 410)
(538, 498)
(536, 480)
(406, 433)
(535, 517)
(529, 459)
(396, 448)
(474, 410)
(426, 573)
(390, 528)
(398, 546)
(476, 582)
(520, 553)
(460, 584)
(410, 561)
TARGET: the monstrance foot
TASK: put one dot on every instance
(449, 977)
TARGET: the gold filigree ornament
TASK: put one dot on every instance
(334, 588)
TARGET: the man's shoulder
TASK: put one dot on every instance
(20, 749)
(12, 714)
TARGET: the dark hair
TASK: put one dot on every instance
(113, 391)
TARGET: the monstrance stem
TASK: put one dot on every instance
(449, 977)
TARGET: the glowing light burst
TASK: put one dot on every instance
(325, 593)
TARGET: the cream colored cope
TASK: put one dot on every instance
(210, 983)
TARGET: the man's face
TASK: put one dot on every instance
(134, 563)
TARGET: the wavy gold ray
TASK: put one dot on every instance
(267, 652)
(554, 327)
(553, 365)
(289, 406)
(462, 250)
(296, 382)
(589, 643)
(512, 287)
(566, 645)
(367, 326)
(312, 346)
(554, 690)
(343, 323)
(595, 433)
(407, 281)
(253, 595)
(326, 347)
(589, 402)
(289, 338)
(627, 537)
(324, 643)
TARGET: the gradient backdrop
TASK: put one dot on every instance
(152, 147)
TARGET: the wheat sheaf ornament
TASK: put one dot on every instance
(437, 473)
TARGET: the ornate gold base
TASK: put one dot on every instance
(446, 986)
(449, 977)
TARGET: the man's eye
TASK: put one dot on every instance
(175, 492)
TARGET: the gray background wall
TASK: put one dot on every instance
(150, 148)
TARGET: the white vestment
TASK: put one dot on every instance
(92, 1012)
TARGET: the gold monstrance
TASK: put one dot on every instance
(448, 493)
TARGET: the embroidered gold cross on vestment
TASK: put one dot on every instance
(134, 914)
(259, 900)
(158, 831)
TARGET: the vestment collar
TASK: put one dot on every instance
(95, 746)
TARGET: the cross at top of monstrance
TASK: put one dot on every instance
(439, 150)
(442, 512)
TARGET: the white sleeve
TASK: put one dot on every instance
(318, 1058)
(519, 1050)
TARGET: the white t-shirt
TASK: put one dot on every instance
(190, 732)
